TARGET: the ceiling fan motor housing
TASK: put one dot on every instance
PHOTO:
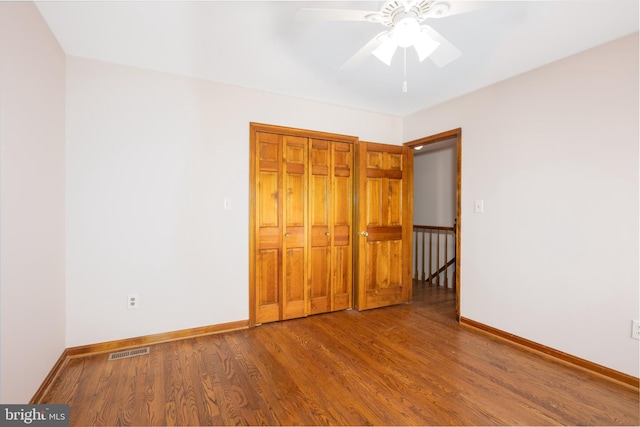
(394, 11)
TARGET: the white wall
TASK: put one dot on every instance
(434, 177)
(150, 159)
(32, 201)
(554, 155)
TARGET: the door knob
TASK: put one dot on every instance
(327, 234)
(287, 234)
(365, 233)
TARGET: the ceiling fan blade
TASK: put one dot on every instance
(364, 52)
(446, 52)
(307, 14)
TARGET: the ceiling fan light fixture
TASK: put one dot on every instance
(385, 51)
(405, 31)
(425, 45)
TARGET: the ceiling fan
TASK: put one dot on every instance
(404, 19)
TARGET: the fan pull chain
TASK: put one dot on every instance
(404, 83)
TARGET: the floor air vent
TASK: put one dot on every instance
(129, 353)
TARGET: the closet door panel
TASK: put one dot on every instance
(295, 198)
(342, 274)
(268, 228)
(295, 229)
(342, 218)
(268, 267)
(320, 201)
(320, 280)
(294, 298)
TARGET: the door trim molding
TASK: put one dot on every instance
(432, 139)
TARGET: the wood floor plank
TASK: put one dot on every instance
(328, 394)
(409, 364)
(272, 381)
(148, 404)
(303, 389)
(227, 384)
(87, 372)
(418, 372)
(105, 399)
(443, 356)
(181, 408)
(435, 369)
(383, 384)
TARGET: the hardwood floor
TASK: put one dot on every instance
(410, 364)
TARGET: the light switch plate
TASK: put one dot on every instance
(478, 206)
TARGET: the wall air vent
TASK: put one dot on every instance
(129, 353)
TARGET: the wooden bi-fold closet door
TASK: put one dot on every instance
(301, 218)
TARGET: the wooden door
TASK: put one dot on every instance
(330, 200)
(385, 225)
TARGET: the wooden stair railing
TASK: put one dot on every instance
(426, 253)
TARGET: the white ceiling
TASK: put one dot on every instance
(260, 45)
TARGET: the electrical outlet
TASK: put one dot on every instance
(635, 329)
(133, 301)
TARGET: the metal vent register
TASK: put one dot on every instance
(129, 353)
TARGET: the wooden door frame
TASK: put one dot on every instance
(432, 139)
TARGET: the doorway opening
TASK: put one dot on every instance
(448, 147)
